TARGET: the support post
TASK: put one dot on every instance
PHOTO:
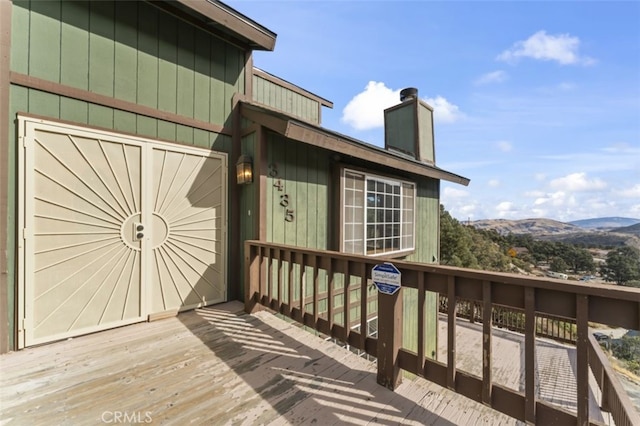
(389, 339)
(251, 277)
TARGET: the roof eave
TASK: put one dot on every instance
(326, 139)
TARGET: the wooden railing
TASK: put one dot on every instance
(614, 398)
(331, 293)
(553, 327)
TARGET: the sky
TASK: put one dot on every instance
(537, 103)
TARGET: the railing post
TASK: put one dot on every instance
(389, 339)
(582, 355)
(530, 355)
(251, 278)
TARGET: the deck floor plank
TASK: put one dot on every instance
(217, 365)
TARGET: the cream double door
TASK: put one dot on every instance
(114, 228)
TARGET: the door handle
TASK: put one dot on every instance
(138, 231)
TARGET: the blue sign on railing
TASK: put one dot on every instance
(386, 278)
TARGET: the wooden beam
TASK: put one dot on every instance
(421, 320)
(451, 333)
(234, 21)
(582, 355)
(107, 101)
(251, 277)
(530, 355)
(486, 343)
(389, 339)
(6, 341)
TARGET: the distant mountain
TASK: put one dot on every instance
(633, 229)
(605, 222)
(526, 226)
(553, 230)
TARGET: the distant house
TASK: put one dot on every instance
(141, 147)
(518, 251)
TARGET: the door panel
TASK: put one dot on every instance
(84, 275)
(189, 227)
(115, 228)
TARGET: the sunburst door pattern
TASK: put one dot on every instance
(83, 197)
(188, 230)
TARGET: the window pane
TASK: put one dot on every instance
(387, 224)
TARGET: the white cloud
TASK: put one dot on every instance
(561, 48)
(443, 110)
(504, 146)
(494, 183)
(505, 209)
(450, 192)
(577, 182)
(633, 192)
(534, 194)
(556, 199)
(365, 110)
(492, 77)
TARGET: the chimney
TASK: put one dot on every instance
(408, 127)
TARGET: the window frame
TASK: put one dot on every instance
(376, 177)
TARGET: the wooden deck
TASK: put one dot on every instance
(219, 366)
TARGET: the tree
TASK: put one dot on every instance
(622, 265)
(558, 265)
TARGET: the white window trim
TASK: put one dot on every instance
(384, 179)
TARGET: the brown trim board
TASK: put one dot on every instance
(94, 98)
(5, 122)
(259, 36)
(296, 89)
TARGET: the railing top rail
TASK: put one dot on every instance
(590, 289)
(632, 416)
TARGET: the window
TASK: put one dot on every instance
(378, 215)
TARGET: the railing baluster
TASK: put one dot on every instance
(347, 301)
(263, 274)
(582, 349)
(363, 306)
(451, 332)
(303, 282)
(330, 284)
(290, 286)
(421, 319)
(530, 354)
(280, 280)
(273, 303)
(264, 289)
(316, 283)
(486, 342)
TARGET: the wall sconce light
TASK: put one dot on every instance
(244, 171)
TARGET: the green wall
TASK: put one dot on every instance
(127, 50)
(302, 174)
(283, 99)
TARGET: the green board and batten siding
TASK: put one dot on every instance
(144, 56)
(302, 175)
(283, 99)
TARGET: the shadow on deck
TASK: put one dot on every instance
(216, 365)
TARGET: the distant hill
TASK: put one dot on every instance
(553, 230)
(605, 222)
(633, 229)
(526, 226)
